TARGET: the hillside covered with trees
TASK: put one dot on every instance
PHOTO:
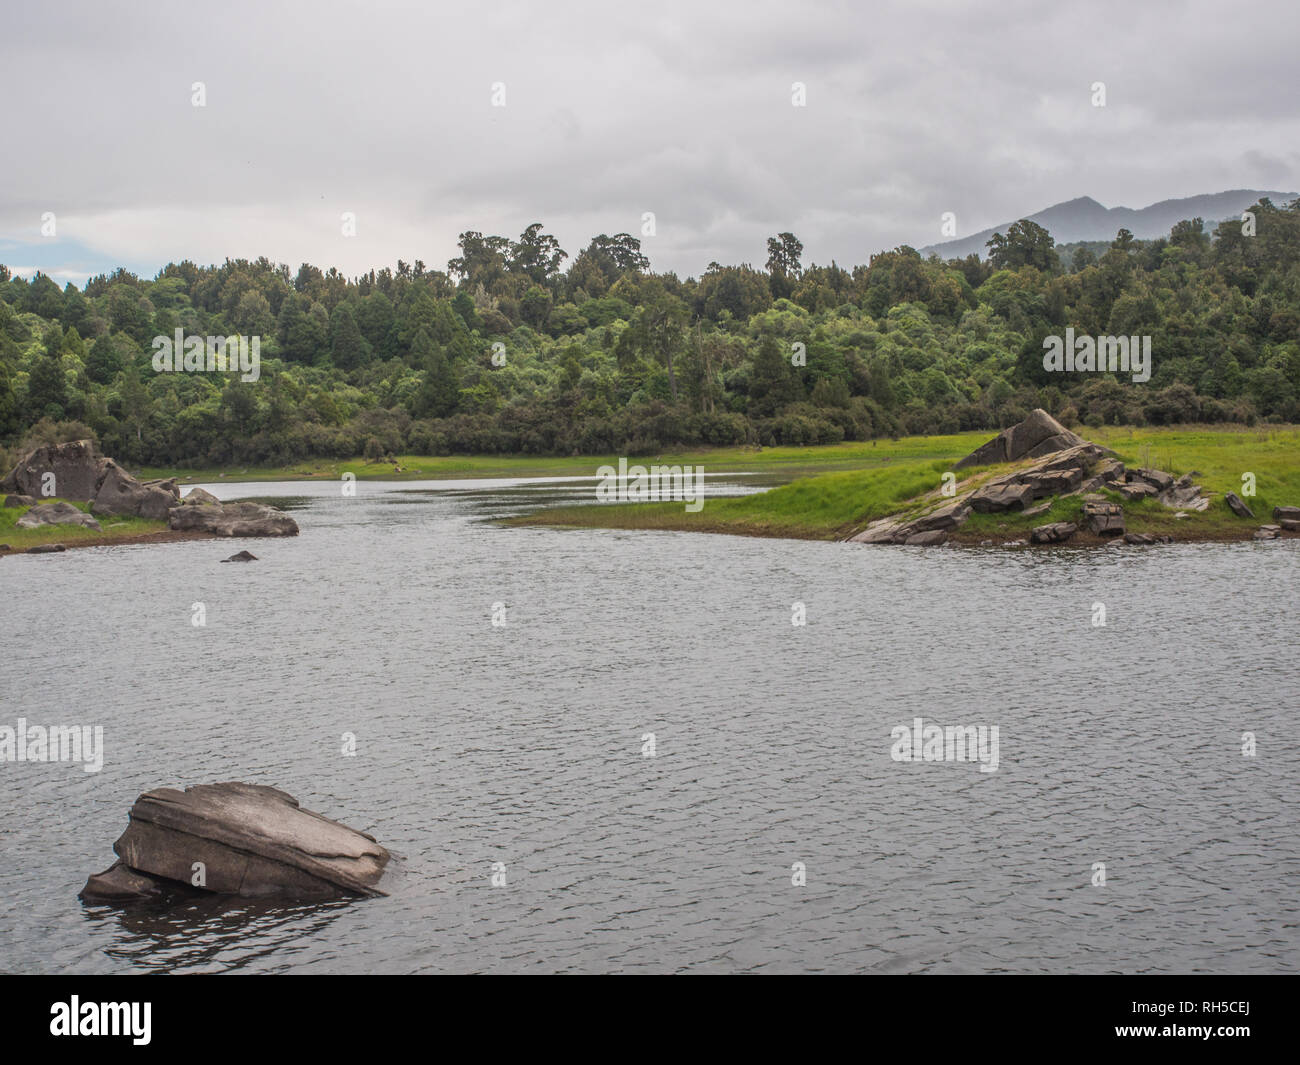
(519, 348)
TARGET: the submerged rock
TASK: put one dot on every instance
(236, 839)
(46, 549)
(242, 556)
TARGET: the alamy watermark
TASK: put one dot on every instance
(196, 354)
(946, 743)
(657, 484)
(1069, 354)
(57, 743)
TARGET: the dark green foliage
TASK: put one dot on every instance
(509, 353)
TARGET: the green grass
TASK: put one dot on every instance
(812, 508)
(833, 505)
(791, 460)
(21, 539)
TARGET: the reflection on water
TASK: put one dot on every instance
(523, 745)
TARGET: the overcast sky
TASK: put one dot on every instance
(613, 110)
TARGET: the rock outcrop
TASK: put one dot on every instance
(59, 513)
(232, 519)
(1052, 463)
(76, 471)
(1102, 518)
(80, 473)
(1055, 533)
(245, 840)
(1039, 434)
(122, 495)
(75, 466)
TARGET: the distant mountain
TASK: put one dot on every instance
(1086, 219)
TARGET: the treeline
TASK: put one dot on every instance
(515, 348)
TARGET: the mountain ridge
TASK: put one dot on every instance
(1084, 218)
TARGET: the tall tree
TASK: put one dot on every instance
(47, 385)
(438, 392)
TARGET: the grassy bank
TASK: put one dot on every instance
(788, 460)
(114, 531)
(833, 505)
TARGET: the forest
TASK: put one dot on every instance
(518, 348)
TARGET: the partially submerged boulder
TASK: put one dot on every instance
(1039, 434)
(199, 497)
(241, 556)
(232, 519)
(58, 513)
(246, 840)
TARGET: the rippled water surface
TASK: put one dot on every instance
(523, 745)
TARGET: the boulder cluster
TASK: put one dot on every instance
(1065, 464)
(75, 471)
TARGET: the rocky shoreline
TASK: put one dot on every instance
(45, 479)
(1055, 464)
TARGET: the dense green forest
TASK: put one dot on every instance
(516, 348)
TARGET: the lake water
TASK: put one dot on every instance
(523, 744)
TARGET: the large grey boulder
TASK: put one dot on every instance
(1286, 513)
(232, 519)
(80, 473)
(58, 513)
(121, 494)
(1039, 434)
(236, 839)
(20, 501)
(75, 466)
